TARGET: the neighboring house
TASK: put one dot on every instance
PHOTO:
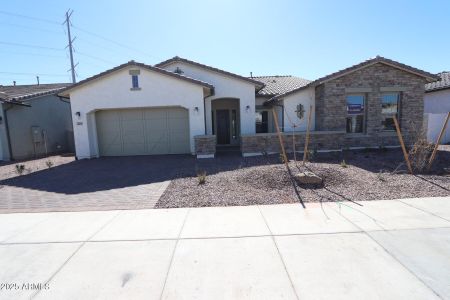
(182, 106)
(437, 105)
(34, 121)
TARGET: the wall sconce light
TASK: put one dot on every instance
(78, 114)
(247, 108)
(196, 109)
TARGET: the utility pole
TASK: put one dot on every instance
(72, 66)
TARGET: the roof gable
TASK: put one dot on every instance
(132, 63)
(183, 60)
(378, 59)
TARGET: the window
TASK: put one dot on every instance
(389, 109)
(262, 121)
(134, 81)
(355, 113)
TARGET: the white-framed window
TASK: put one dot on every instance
(390, 105)
(356, 113)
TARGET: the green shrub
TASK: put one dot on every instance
(344, 164)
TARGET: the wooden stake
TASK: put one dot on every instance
(305, 153)
(436, 146)
(405, 154)
(275, 118)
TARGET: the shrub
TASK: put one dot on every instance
(49, 164)
(20, 169)
(201, 176)
(344, 164)
(420, 154)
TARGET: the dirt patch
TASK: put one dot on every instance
(365, 175)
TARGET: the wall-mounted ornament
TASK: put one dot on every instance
(300, 111)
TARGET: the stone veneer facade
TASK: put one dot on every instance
(331, 112)
(372, 81)
(205, 146)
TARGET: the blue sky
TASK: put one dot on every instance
(303, 38)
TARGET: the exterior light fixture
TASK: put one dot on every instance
(196, 109)
(78, 114)
(247, 108)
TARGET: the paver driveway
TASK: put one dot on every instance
(97, 184)
(392, 249)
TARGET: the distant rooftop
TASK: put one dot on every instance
(23, 92)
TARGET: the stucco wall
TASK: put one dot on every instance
(437, 102)
(113, 91)
(51, 115)
(224, 87)
(290, 102)
(435, 123)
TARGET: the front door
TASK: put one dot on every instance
(223, 126)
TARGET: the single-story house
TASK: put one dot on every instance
(34, 121)
(182, 106)
(437, 105)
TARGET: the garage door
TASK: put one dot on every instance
(143, 131)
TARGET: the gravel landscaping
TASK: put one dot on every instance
(365, 175)
(8, 169)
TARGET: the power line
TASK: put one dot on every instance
(31, 46)
(30, 28)
(114, 42)
(40, 74)
(32, 54)
(95, 57)
(29, 17)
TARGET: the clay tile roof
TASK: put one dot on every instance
(179, 59)
(280, 84)
(23, 92)
(442, 84)
(141, 65)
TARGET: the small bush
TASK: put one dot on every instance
(49, 164)
(420, 154)
(283, 158)
(344, 164)
(381, 177)
(201, 176)
(20, 169)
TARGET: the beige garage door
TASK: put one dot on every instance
(143, 131)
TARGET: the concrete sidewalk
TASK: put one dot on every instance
(396, 249)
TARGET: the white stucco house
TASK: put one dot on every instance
(437, 105)
(180, 106)
(138, 109)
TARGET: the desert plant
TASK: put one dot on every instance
(49, 164)
(201, 176)
(20, 168)
(420, 154)
(380, 176)
(344, 164)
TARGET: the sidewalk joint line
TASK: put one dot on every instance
(279, 253)
(173, 253)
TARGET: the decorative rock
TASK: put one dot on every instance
(308, 178)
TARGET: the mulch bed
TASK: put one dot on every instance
(366, 175)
